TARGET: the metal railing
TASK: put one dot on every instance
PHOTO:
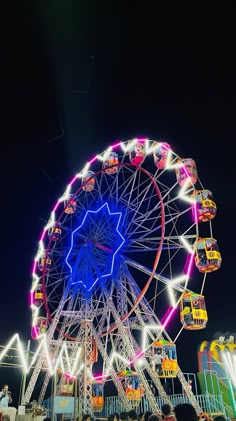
(210, 404)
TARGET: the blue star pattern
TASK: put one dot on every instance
(93, 247)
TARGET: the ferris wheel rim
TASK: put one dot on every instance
(124, 306)
(156, 174)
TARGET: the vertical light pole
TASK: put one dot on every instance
(53, 396)
(25, 374)
(75, 398)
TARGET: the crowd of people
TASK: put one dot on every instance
(181, 412)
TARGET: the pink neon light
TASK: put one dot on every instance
(166, 146)
(189, 265)
(164, 322)
(73, 180)
(167, 316)
(194, 207)
(101, 376)
(56, 206)
(143, 140)
(186, 172)
(69, 376)
(92, 160)
(34, 332)
(137, 356)
(31, 298)
(116, 145)
(34, 267)
(43, 235)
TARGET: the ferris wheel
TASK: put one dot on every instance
(114, 265)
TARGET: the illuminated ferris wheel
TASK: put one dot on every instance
(113, 269)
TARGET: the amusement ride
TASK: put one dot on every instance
(111, 288)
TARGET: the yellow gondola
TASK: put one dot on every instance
(165, 358)
(38, 295)
(204, 207)
(207, 255)
(132, 385)
(193, 314)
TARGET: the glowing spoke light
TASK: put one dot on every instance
(52, 364)
(41, 249)
(187, 199)
(184, 187)
(188, 247)
(171, 285)
(171, 294)
(51, 222)
(103, 157)
(189, 265)
(117, 356)
(66, 194)
(100, 377)
(168, 316)
(130, 143)
(16, 339)
(177, 280)
(84, 171)
(145, 333)
(80, 369)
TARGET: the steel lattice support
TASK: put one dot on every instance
(41, 359)
(129, 346)
(122, 309)
(189, 392)
(85, 378)
(127, 404)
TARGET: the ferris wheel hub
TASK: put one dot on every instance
(94, 245)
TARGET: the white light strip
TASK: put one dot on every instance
(188, 247)
(171, 295)
(80, 368)
(145, 332)
(66, 194)
(40, 251)
(51, 222)
(184, 188)
(84, 171)
(105, 155)
(117, 356)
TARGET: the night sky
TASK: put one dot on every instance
(73, 82)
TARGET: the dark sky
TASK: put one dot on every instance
(73, 80)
